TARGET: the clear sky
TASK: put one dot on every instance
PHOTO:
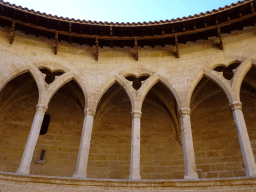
(122, 10)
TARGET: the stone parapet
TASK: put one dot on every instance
(12, 182)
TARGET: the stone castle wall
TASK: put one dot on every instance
(187, 82)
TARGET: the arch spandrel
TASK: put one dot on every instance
(144, 89)
(187, 96)
(54, 63)
(239, 76)
(227, 57)
(224, 84)
(39, 78)
(82, 85)
(137, 71)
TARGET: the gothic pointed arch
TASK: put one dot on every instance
(66, 104)
(35, 73)
(215, 77)
(214, 133)
(160, 132)
(18, 100)
(109, 155)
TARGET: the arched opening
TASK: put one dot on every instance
(110, 147)
(248, 99)
(18, 100)
(161, 143)
(62, 140)
(216, 145)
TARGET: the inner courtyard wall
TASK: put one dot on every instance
(217, 150)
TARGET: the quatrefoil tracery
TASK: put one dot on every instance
(228, 72)
(50, 76)
(137, 81)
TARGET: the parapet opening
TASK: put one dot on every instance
(45, 124)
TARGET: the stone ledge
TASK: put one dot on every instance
(177, 183)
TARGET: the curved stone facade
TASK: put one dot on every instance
(161, 123)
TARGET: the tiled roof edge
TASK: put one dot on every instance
(177, 20)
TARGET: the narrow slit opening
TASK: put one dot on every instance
(45, 124)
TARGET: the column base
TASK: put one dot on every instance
(251, 173)
(191, 176)
(80, 176)
(134, 177)
(23, 171)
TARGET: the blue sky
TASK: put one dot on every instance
(122, 10)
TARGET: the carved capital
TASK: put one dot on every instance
(136, 113)
(41, 107)
(184, 111)
(89, 111)
(235, 106)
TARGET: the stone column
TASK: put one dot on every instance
(245, 144)
(187, 142)
(24, 167)
(83, 155)
(135, 146)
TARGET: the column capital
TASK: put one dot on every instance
(89, 111)
(136, 113)
(184, 111)
(236, 105)
(41, 107)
